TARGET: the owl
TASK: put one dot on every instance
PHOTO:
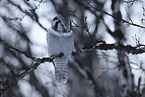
(60, 39)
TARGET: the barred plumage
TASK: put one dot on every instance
(61, 70)
(60, 39)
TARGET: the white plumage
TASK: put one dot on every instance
(60, 42)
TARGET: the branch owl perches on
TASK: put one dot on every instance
(60, 39)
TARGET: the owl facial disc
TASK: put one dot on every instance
(61, 24)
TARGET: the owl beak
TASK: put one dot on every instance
(65, 29)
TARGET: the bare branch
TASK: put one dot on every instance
(31, 13)
(93, 10)
(7, 84)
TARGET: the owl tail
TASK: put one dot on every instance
(61, 70)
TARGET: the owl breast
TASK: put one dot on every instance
(60, 43)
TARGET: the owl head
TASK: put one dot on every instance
(61, 24)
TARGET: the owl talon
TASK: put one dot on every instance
(57, 55)
(60, 55)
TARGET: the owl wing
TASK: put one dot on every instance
(53, 42)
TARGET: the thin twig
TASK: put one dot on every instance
(104, 12)
(33, 67)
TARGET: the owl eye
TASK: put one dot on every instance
(62, 25)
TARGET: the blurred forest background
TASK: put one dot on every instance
(92, 73)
